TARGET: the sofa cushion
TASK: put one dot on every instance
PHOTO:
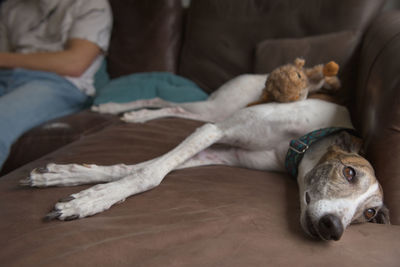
(149, 85)
(319, 49)
(221, 35)
(146, 36)
(203, 216)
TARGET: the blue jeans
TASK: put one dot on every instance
(29, 98)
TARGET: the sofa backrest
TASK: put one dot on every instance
(222, 35)
(146, 36)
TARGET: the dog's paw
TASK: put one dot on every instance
(73, 174)
(87, 202)
(57, 175)
(109, 108)
(101, 197)
(140, 116)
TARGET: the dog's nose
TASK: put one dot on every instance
(330, 227)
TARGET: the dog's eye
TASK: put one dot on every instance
(369, 213)
(349, 173)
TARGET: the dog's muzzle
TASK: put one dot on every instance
(329, 227)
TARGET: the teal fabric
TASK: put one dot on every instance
(101, 78)
(148, 85)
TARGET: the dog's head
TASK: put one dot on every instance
(341, 189)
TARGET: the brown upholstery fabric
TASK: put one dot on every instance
(52, 135)
(315, 50)
(221, 35)
(205, 216)
(381, 38)
(378, 103)
(319, 49)
(215, 215)
(146, 36)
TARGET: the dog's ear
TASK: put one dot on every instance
(382, 217)
(349, 143)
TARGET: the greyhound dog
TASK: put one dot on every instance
(337, 186)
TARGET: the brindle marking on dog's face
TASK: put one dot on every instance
(328, 189)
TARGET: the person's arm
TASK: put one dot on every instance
(73, 61)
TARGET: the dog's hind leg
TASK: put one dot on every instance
(145, 115)
(212, 156)
(233, 156)
(116, 108)
(208, 111)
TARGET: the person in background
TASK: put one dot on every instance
(49, 53)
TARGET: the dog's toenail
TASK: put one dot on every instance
(42, 170)
(25, 182)
(66, 199)
(72, 217)
(52, 215)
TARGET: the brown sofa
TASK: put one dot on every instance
(216, 215)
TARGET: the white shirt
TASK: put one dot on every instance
(28, 26)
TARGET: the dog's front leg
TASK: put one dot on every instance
(77, 174)
(101, 197)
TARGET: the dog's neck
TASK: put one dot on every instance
(298, 147)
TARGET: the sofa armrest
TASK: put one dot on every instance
(53, 135)
(377, 113)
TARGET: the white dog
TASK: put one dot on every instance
(337, 186)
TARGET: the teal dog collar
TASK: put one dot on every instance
(298, 147)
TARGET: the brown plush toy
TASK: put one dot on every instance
(292, 82)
